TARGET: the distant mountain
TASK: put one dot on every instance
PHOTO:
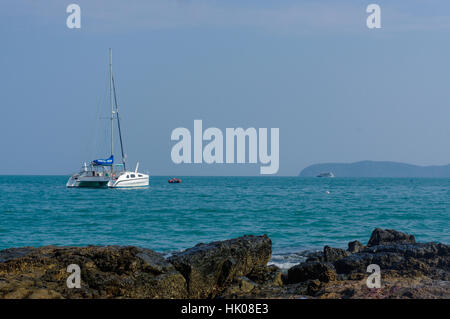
(376, 169)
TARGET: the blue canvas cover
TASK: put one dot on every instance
(104, 162)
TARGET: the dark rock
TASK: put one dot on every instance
(132, 272)
(348, 293)
(313, 287)
(284, 278)
(333, 254)
(315, 256)
(240, 286)
(389, 236)
(355, 246)
(234, 268)
(419, 258)
(266, 275)
(420, 250)
(324, 272)
(209, 268)
(359, 262)
(357, 276)
(106, 272)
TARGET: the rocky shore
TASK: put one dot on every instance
(235, 268)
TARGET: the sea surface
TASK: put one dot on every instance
(300, 215)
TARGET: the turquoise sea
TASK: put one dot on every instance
(298, 214)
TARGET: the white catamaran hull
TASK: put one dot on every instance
(90, 176)
(129, 179)
(94, 182)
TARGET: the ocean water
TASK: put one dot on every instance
(298, 214)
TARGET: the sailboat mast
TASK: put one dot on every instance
(118, 125)
(112, 102)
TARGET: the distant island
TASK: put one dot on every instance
(376, 169)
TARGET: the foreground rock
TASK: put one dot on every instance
(429, 259)
(355, 246)
(235, 268)
(321, 271)
(389, 236)
(409, 269)
(210, 268)
(203, 271)
(106, 272)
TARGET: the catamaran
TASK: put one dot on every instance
(103, 172)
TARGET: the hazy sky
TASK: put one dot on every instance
(338, 91)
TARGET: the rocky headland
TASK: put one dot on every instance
(235, 268)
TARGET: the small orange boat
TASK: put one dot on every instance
(174, 180)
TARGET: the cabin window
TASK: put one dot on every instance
(133, 176)
(128, 176)
(140, 175)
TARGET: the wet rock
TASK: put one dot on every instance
(355, 246)
(333, 254)
(209, 268)
(389, 236)
(324, 272)
(106, 272)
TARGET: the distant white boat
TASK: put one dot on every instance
(326, 174)
(103, 172)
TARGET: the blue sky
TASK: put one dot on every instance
(338, 91)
